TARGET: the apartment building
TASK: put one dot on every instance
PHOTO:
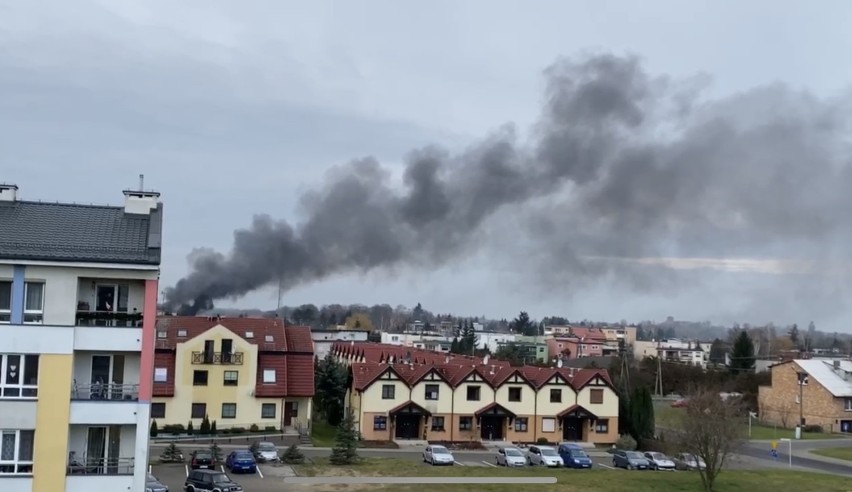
(412, 396)
(442, 343)
(674, 350)
(325, 339)
(237, 371)
(78, 293)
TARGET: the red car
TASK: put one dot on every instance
(679, 403)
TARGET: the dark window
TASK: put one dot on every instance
(466, 423)
(521, 424)
(596, 396)
(229, 410)
(158, 410)
(380, 423)
(267, 411)
(431, 391)
(388, 392)
(556, 396)
(602, 426)
(230, 378)
(209, 349)
(437, 423)
(473, 393)
(5, 301)
(199, 378)
(227, 348)
(514, 394)
(199, 410)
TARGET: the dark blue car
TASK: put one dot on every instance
(574, 456)
(241, 462)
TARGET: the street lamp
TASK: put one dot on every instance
(751, 415)
(789, 450)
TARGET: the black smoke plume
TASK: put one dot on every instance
(629, 166)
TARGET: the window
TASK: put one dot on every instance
(465, 423)
(5, 301)
(227, 350)
(602, 426)
(438, 424)
(231, 378)
(229, 410)
(269, 338)
(473, 393)
(514, 394)
(596, 396)
(249, 334)
(33, 302)
(181, 333)
(16, 452)
(161, 374)
(548, 425)
(388, 391)
(555, 396)
(848, 405)
(199, 410)
(199, 378)
(431, 391)
(158, 410)
(269, 376)
(18, 376)
(267, 411)
(521, 424)
(380, 422)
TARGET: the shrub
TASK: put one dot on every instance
(173, 429)
(238, 430)
(171, 454)
(542, 440)
(189, 429)
(626, 442)
(293, 456)
(254, 428)
(813, 428)
(270, 428)
(226, 431)
(154, 430)
(213, 427)
(205, 426)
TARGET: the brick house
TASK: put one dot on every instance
(826, 394)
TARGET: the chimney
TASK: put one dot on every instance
(8, 192)
(140, 202)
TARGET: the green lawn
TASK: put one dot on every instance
(577, 480)
(322, 434)
(839, 453)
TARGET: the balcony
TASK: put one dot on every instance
(107, 318)
(115, 404)
(224, 358)
(105, 392)
(101, 466)
(110, 302)
(101, 451)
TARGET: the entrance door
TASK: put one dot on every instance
(572, 429)
(291, 411)
(407, 426)
(492, 428)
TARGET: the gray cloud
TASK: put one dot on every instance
(630, 165)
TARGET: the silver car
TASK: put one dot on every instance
(688, 461)
(660, 461)
(544, 456)
(510, 457)
(266, 452)
(438, 455)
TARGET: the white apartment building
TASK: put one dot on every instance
(324, 339)
(440, 343)
(78, 293)
(674, 350)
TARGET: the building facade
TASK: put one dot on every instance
(818, 390)
(674, 350)
(410, 396)
(442, 343)
(78, 293)
(237, 371)
(324, 339)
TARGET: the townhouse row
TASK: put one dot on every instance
(415, 395)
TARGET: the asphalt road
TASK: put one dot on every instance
(760, 451)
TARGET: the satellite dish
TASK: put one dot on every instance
(485, 359)
(559, 363)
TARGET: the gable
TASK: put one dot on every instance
(557, 380)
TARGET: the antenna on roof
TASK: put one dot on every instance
(141, 182)
(559, 363)
(485, 360)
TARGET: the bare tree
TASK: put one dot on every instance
(712, 429)
(784, 413)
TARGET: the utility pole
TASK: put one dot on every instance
(802, 376)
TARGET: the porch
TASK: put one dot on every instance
(575, 422)
(493, 421)
(408, 421)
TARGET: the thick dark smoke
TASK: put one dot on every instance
(628, 166)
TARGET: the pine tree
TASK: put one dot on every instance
(213, 428)
(205, 426)
(216, 451)
(742, 355)
(154, 430)
(454, 346)
(293, 456)
(345, 451)
(642, 414)
(189, 429)
(172, 454)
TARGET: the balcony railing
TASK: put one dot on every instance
(100, 466)
(226, 358)
(105, 392)
(109, 318)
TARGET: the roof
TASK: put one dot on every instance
(494, 409)
(269, 334)
(578, 411)
(85, 233)
(822, 370)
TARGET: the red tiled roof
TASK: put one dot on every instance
(269, 334)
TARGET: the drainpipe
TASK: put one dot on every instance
(452, 411)
(535, 417)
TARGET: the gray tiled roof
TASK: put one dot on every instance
(84, 233)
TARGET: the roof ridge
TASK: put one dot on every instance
(68, 204)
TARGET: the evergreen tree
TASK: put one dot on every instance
(172, 454)
(293, 456)
(522, 325)
(454, 346)
(742, 355)
(468, 341)
(345, 451)
(331, 381)
(793, 333)
(205, 426)
(213, 428)
(189, 429)
(154, 430)
(216, 451)
(642, 414)
(717, 352)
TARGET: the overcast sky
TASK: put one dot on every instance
(237, 108)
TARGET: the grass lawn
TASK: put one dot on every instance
(599, 480)
(839, 453)
(322, 434)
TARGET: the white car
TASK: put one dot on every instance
(438, 455)
(266, 451)
(544, 456)
(660, 461)
(510, 457)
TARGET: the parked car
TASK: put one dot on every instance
(202, 459)
(544, 456)
(631, 460)
(438, 455)
(682, 403)
(574, 456)
(660, 461)
(210, 480)
(154, 485)
(511, 457)
(265, 452)
(241, 461)
(688, 461)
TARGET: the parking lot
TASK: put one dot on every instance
(267, 478)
